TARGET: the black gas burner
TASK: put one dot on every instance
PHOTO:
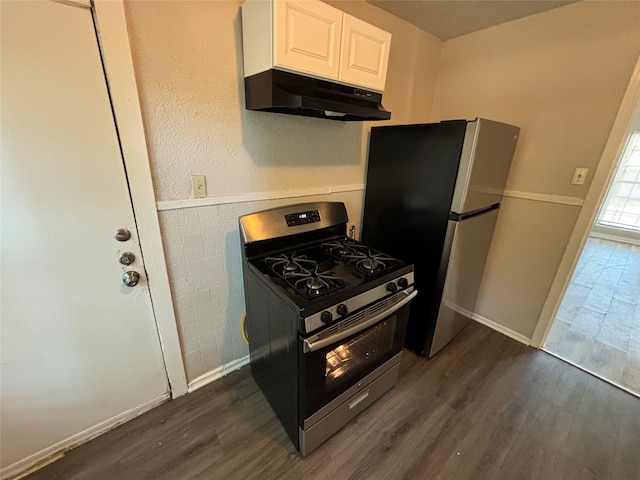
(361, 257)
(372, 262)
(312, 284)
(284, 264)
(304, 275)
(323, 268)
(341, 248)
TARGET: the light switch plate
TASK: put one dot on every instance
(199, 186)
(579, 176)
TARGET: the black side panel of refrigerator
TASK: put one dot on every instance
(410, 182)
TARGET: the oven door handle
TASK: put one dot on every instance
(310, 345)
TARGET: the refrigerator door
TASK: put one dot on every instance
(461, 269)
(484, 164)
(417, 175)
(410, 180)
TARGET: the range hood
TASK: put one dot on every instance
(294, 94)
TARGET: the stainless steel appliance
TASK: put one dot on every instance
(432, 198)
(326, 317)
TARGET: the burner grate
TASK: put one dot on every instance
(284, 264)
(360, 257)
(342, 248)
(304, 275)
(314, 283)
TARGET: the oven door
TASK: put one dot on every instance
(340, 356)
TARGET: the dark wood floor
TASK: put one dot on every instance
(484, 408)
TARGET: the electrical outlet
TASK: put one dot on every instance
(579, 176)
(199, 186)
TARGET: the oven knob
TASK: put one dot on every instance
(392, 287)
(403, 282)
(342, 310)
(326, 317)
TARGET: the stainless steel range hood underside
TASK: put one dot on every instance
(294, 94)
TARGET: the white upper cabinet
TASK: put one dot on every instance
(313, 38)
(306, 36)
(365, 54)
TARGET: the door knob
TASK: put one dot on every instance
(130, 278)
(127, 258)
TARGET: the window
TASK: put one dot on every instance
(621, 207)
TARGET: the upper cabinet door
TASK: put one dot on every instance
(307, 37)
(365, 54)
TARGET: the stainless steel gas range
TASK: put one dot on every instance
(326, 317)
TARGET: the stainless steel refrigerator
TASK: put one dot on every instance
(432, 198)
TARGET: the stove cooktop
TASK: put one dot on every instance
(326, 269)
(359, 256)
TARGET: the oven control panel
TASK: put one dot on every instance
(342, 311)
(302, 218)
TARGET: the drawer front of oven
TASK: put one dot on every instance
(343, 409)
(329, 367)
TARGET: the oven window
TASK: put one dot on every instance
(330, 371)
(349, 359)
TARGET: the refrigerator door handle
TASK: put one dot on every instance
(456, 217)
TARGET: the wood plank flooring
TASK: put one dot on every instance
(486, 407)
(598, 323)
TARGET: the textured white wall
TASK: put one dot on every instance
(559, 75)
(188, 61)
(189, 64)
(204, 261)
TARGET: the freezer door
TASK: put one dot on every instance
(410, 180)
(462, 268)
(484, 164)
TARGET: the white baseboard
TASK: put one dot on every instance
(38, 460)
(502, 329)
(489, 323)
(219, 372)
(54, 452)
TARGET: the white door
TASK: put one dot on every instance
(307, 37)
(365, 54)
(79, 348)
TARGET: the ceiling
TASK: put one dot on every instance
(448, 19)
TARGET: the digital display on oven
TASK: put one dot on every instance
(302, 218)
